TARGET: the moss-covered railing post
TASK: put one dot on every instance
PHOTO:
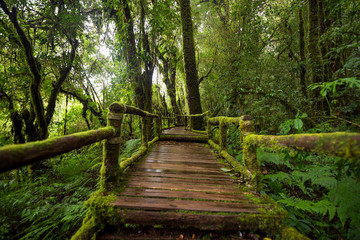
(223, 134)
(208, 125)
(245, 127)
(110, 170)
(158, 125)
(249, 152)
(144, 133)
(191, 127)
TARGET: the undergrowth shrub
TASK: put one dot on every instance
(320, 193)
(50, 206)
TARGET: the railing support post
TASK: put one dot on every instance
(144, 132)
(245, 127)
(158, 126)
(208, 126)
(223, 135)
(110, 170)
(191, 123)
(249, 152)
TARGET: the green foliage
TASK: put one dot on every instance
(320, 193)
(296, 124)
(50, 206)
(131, 146)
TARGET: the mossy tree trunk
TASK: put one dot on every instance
(316, 62)
(168, 69)
(302, 53)
(132, 60)
(191, 74)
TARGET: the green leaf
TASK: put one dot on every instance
(298, 124)
(225, 169)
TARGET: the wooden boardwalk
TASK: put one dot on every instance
(182, 184)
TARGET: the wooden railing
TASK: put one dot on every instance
(244, 125)
(188, 120)
(340, 144)
(18, 155)
(168, 121)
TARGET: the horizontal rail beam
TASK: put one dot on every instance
(337, 144)
(194, 115)
(18, 155)
(122, 108)
(228, 120)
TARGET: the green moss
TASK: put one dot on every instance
(134, 158)
(17, 155)
(223, 134)
(338, 144)
(174, 137)
(290, 233)
(101, 213)
(89, 229)
(237, 167)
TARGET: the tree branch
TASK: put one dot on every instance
(211, 68)
(34, 68)
(85, 102)
(286, 104)
(56, 88)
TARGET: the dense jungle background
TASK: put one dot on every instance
(293, 65)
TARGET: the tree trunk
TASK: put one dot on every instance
(302, 53)
(313, 46)
(132, 60)
(315, 58)
(191, 74)
(324, 47)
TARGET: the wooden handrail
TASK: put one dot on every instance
(228, 120)
(195, 115)
(122, 108)
(18, 155)
(339, 144)
(14, 156)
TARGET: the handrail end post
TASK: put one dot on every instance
(251, 162)
(110, 173)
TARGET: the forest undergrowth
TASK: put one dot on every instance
(51, 205)
(320, 193)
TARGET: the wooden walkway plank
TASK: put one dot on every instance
(184, 186)
(159, 204)
(181, 183)
(218, 182)
(181, 175)
(183, 194)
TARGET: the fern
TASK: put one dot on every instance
(321, 207)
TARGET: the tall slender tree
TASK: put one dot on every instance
(191, 74)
